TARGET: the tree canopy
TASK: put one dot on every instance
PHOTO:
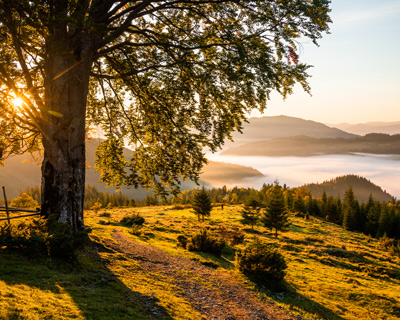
(167, 78)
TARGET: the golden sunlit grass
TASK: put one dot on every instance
(332, 273)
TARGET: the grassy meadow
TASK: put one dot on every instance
(331, 274)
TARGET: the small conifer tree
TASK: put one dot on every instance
(202, 204)
(275, 215)
(251, 212)
(350, 210)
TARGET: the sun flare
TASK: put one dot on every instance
(18, 102)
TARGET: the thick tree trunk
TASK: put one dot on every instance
(63, 168)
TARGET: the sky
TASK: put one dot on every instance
(356, 68)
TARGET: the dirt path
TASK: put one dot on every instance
(213, 294)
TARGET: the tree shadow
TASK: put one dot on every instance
(96, 291)
(286, 293)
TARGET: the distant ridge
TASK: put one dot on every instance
(370, 127)
(361, 186)
(272, 127)
(374, 143)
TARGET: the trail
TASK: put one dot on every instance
(215, 295)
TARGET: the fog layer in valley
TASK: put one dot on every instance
(383, 170)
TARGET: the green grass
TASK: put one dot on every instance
(332, 273)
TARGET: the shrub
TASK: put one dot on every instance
(96, 206)
(236, 237)
(105, 214)
(386, 242)
(181, 206)
(30, 238)
(261, 262)
(132, 219)
(182, 241)
(136, 230)
(24, 201)
(206, 242)
(61, 243)
(42, 236)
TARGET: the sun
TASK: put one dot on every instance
(18, 102)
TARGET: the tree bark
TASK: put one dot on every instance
(63, 169)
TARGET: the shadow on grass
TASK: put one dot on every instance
(93, 288)
(286, 293)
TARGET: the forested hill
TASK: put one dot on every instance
(375, 143)
(361, 186)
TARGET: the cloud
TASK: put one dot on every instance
(383, 11)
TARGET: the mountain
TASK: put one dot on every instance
(374, 143)
(362, 188)
(23, 171)
(369, 127)
(266, 128)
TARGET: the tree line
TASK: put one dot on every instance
(375, 218)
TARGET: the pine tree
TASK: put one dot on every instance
(350, 210)
(299, 204)
(275, 215)
(289, 200)
(384, 221)
(372, 219)
(202, 204)
(251, 212)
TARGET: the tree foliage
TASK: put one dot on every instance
(165, 77)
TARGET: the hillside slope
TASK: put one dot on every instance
(307, 146)
(141, 274)
(361, 186)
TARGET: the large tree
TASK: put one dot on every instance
(165, 77)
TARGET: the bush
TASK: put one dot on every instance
(42, 236)
(132, 219)
(30, 238)
(136, 230)
(182, 241)
(24, 201)
(105, 214)
(261, 262)
(206, 242)
(236, 237)
(61, 243)
(96, 207)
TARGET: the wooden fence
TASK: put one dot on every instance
(8, 210)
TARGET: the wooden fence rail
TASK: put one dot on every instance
(8, 209)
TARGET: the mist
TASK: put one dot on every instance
(382, 170)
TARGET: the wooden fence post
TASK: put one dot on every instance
(5, 203)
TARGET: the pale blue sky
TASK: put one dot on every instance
(356, 73)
